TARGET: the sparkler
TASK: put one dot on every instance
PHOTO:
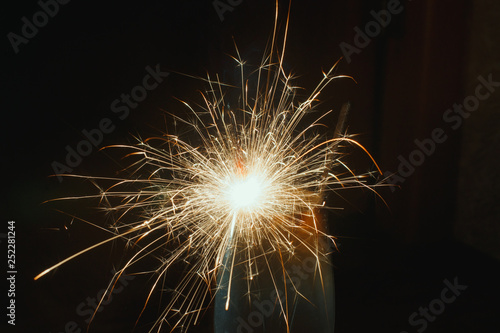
(246, 191)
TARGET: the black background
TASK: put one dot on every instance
(391, 260)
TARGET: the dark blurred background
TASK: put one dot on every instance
(440, 222)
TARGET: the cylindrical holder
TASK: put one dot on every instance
(289, 293)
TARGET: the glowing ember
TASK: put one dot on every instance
(246, 193)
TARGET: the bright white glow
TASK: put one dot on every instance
(245, 193)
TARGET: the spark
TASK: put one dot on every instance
(251, 177)
(246, 193)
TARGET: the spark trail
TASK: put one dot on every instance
(250, 179)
